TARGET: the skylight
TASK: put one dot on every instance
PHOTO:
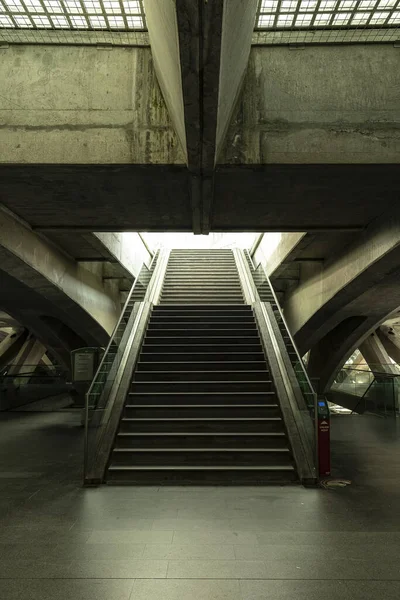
(94, 15)
(313, 14)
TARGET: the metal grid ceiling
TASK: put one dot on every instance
(38, 19)
(285, 21)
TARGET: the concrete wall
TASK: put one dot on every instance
(320, 104)
(67, 105)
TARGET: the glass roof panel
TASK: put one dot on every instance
(122, 15)
(286, 21)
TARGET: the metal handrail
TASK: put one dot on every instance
(369, 370)
(89, 392)
(284, 321)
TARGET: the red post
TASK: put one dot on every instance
(324, 444)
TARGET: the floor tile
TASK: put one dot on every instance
(118, 569)
(216, 569)
(192, 551)
(214, 537)
(132, 536)
(34, 569)
(315, 590)
(181, 524)
(186, 590)
(70, 589)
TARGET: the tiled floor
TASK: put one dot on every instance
(59, 541)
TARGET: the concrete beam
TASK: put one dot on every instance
(200, 52)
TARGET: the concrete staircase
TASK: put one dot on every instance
(202, 407)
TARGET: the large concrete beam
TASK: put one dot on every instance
(200, 52)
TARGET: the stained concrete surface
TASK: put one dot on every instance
(60, 541)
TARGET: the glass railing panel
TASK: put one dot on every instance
(381, 397)
(266, 294)
(353, 381)
(377, 390)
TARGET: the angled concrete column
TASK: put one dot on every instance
(376, 355)
(200, 51)
(27, 360)
(390, 339)
(11, 345)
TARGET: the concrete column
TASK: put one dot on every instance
(391, 341)
(11, 345)
(376, 355)
(27, 361)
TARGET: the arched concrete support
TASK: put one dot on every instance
(326, 357)
(332, 351)
(38, 281)
(362, 279)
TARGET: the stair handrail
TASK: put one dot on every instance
(299, 420)
(112, 338)
(300, 360)
(103, 422)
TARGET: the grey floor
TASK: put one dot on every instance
(59, 541)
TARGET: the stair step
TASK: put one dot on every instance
(201, 475)
(214, 425)
(200, 376)
(194, 398)
(210, 301)
(197, 339)
(147, 358)
(200, 411)
(201, 366)
(203, 325)
(189, 333)
(183, 346)
(197, 456)
(205, 317)
(201, 440)
(160, 308)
